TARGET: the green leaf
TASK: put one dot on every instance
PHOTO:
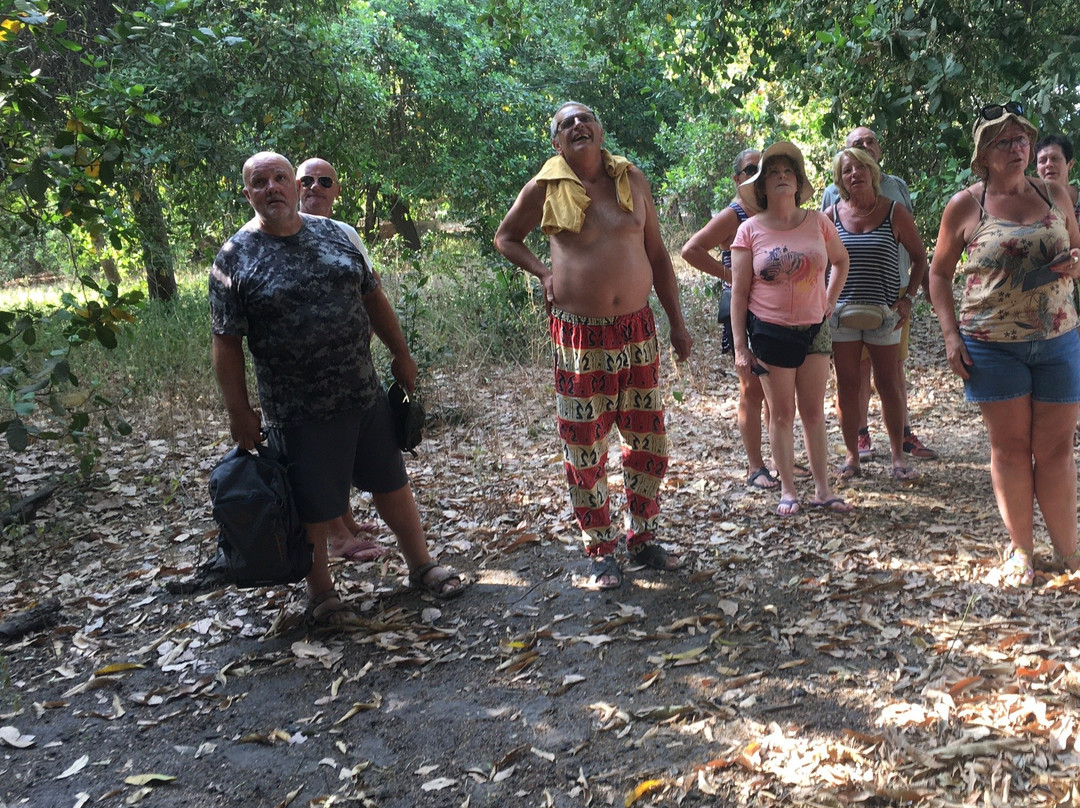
(17, 436)
(105, 335)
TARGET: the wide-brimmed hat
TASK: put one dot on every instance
(784, 148)
(981, 128)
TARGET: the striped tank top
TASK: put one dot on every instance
(725, 255)
(874, 276)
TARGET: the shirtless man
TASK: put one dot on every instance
(606, 257)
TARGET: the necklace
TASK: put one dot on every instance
(861, 214)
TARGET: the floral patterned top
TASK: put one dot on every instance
(1011, 295)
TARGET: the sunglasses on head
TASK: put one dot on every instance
(325, 182)
(991, 112)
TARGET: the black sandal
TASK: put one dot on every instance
(604, 567)
(652, 555)
(418, 580)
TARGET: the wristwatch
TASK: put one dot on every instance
(911, 298)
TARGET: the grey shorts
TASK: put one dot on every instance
(326, 456)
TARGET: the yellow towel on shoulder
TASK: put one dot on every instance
(565, 199)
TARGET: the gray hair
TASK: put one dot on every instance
(566, 104)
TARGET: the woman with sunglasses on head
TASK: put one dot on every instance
(1013, 339)
(719, 232)
(779, 302)
(871, 226)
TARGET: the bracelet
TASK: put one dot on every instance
(910, 297)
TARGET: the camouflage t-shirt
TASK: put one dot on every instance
(299, 301)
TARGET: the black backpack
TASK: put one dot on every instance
(261, 540)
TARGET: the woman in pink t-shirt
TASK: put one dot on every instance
(779, 302)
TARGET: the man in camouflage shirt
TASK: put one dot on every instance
(307, 300)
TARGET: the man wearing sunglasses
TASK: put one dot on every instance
(862, 137)
(318, 186)
(606, 257)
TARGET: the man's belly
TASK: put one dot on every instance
(603, 290)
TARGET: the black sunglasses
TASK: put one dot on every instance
(748, 170)
(325, 182)
(992, 112)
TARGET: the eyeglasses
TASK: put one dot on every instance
(748, 170)
(991, 112)
(571, 120)
(1006, 143)
(325, 182)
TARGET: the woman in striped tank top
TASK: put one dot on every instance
(870, 226)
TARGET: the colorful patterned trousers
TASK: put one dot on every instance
(607, 374)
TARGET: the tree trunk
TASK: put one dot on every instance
(406, 228)
(153, 236)
(107, 264)
(371, 197)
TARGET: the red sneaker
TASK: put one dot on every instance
(914, 447)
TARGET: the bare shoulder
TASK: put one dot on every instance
(638, 180)
(1061, 196)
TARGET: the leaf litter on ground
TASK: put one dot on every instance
(818, 660)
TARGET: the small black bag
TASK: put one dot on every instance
(261, 541)
(780, 345)
(408, 417)
(723, 312)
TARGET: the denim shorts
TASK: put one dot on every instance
(1048, 370)
(885, 334)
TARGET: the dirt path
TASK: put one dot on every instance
(816, 660)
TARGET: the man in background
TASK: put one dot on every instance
(862, 137)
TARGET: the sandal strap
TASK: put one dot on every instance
(416, 576)
(1073, 556)
(1019, 568)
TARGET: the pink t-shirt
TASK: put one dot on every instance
(789, 269)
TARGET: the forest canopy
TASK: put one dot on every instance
(124, 124)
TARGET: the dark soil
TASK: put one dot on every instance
(806, 660)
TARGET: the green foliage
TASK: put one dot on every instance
(43, 399)
(459, 306)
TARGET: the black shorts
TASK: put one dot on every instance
(326, 456)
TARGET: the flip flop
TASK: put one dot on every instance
(604, 567)
(834, 504)
(787, 507)
(652, 555)
(904, 474)
(848, 472)
(364, 550)
(802, 471)
(771, 482)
